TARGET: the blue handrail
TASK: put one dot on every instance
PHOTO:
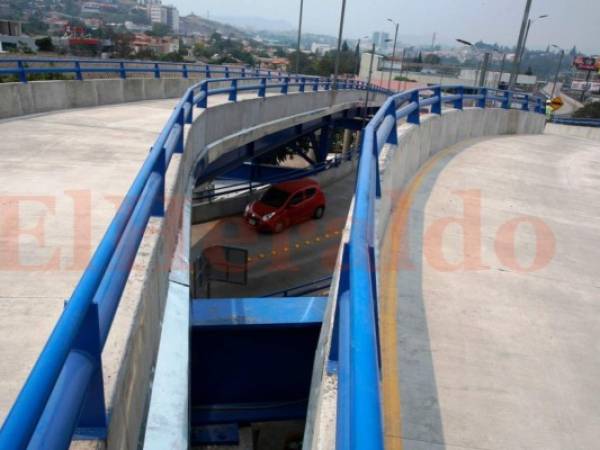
(359, 409)
(65, 386)
(78, 67)
(576, 121)
(311, 287)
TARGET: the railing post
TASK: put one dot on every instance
(538, 106)
(481, 103)
(507, 100)
(22, 72)
(156, 70)
(262, 89)
(436, 108)
(93, 415)
(459, 103)
(269, 75)
(190, 101)
(233, 92)
(185, 71)
(525, 106)
(78, 74)
(415, 116)
(122, 72)
(203, 103)
(158, 208)
(302, 84)
(391, 112)
(285, 85)
(181, 122)
(315, 86)
(243, 72)
(226, 72)
(207, 71)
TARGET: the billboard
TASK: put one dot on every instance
(586, 63)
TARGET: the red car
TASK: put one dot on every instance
(286, 204)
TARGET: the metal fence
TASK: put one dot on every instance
(359, 407)
(576, 121)
(24, 69)
(64, 390)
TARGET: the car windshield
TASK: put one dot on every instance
(274, 197)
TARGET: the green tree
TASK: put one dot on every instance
(589, 111)
(160, 30)
(45, 44)
(432, 59)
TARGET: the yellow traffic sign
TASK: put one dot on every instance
(556, 103)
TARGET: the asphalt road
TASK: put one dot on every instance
(298, 255)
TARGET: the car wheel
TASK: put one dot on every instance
(319, 212)
(278, 227)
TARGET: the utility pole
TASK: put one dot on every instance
(358, 56)
(562, 54)
(299, 38)
(339, 46)
(393, 54)
(484, 68)
(501, 70)
(369, 81)
(516, 61)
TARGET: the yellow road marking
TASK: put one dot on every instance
(388, 325)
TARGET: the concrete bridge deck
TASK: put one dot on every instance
(489, 298)
(63, 176)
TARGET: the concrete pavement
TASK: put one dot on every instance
(489, 289)
(63, 175)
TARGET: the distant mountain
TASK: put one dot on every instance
(193, 24)
(257, 23)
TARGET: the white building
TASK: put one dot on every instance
(165, 14)
(320, 49)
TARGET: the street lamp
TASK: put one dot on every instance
(393, 53)
(299, 37)
(484, 63)
(339, 46)
(529, 23)
(562, 54)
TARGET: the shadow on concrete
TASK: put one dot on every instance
(421, 420)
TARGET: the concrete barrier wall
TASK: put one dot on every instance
(397, 166)
(570, 130)
(132, 345)
(419, 143)
(18, 99)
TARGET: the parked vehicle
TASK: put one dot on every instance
(286, 204)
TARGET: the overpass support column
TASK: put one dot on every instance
(324, 141)
(347, 140)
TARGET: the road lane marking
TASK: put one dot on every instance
(388, 319)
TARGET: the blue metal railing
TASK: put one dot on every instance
(359, 408)
(64, 390)
(22, 67)
(311, 287)
(576, 121)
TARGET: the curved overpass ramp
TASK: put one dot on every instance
(65, 174)
(489, 274)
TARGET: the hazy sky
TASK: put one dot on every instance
(571, 22)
